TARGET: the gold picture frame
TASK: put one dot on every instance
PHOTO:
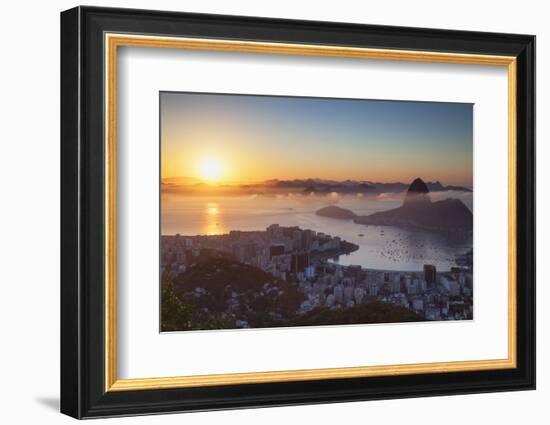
(113, 41)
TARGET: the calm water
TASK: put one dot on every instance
(381, 247)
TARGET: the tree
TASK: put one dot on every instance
(175, 315)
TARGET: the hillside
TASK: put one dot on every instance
(214, 273)
(217, 291)
(374, 312)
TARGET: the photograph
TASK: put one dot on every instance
(286, 211)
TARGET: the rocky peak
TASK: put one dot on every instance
(417, 193)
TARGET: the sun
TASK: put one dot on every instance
(211, 169)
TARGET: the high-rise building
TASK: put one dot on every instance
(338, 294)
(297, 238)
(418, 304)
(299, 262)
(307, 238)
(359, 294)
(430, 275)
(348, 293)
(276, 249)
(310, 272)
(450, 283)
(373, 289)
(411, 286)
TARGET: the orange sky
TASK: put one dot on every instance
(243, 139)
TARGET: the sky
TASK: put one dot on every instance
(228, 139)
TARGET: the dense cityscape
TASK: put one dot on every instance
(286, 276)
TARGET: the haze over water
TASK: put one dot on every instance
(381, 247)
(213, 145)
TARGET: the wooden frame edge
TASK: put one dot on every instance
(307, 375)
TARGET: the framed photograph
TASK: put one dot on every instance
(261, 212)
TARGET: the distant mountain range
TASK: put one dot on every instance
(352, 186)
(311, 185)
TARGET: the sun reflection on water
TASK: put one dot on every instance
(212, 225)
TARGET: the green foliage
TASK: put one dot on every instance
(175, 316)
(214, 273)
(179, 316)
(262, 299)
(374, 312)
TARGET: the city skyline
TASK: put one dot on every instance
(235, 139)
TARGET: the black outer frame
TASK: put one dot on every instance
(82, 217)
